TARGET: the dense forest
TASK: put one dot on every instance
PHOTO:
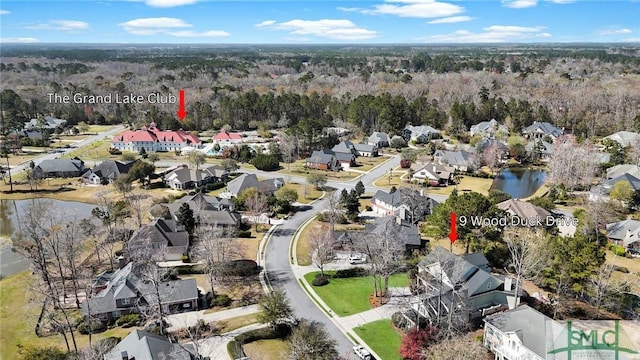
(590, 91)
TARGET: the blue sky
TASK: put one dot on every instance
(273, 21)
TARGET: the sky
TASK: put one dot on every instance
(319, 22)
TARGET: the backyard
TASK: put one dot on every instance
(298, 169)
(267, 349)
(358, 288)
(19, 313)
(382, 338)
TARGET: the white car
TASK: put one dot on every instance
(362, 353)
(356, 259)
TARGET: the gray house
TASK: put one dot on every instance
(246, 181)
(524, 211)
(378, 139)
(125, 292)
(625, 138)
(420, 134)
(324, 160)
(363, 150)
(602, 191)
(460, 287)
(617, 170)
(185, 178)
(625, 233)
(407, 234)
(48, 122)
(209, 210)
(106, 172)
(539, 130)
(141, 345)
(460, 160)
(161, 239)
(520, 333)
(488, 129)
(407, 204)
(59, 168)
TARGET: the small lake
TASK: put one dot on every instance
(519, 183)
(11, 217)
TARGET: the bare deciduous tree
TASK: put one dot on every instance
(256, 205)
(321, 241)
(214, 249)
(527, 255)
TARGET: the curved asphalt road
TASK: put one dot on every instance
(277, 262)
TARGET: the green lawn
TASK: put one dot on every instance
(267, 349)
(304, 189)
(358, 288)
(382, 338)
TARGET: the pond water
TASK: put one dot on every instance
(519, 183)
(11, 216)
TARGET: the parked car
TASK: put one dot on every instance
(356, 259)
(362, 353)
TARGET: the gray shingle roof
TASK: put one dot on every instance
(362, 148)
(49, 123)
(246, 181)
(621, 169)
(61, 165)
(528, 324)
(544, 128)
(142, 345)
(625, 138)
(324, 156)
(126, 282)
(455, 158)
(378, 137)
(408, 234)
(490, 127)
(110, 169)
(627, 231)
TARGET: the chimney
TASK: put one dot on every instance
(507, 283)
(125, 355)
(121, 263)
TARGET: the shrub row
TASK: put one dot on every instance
(349, 273)
(280, 332)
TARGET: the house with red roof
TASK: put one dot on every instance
(224, 137)
(152, 139)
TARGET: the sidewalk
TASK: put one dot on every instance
(346, 324)
(184, 320)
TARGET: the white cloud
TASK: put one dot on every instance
(62, 25)
(342, 8)
(166, 25)
(21, 40)
(189, 33)
(169, 3)
(492, 34)
(451, 19)
(562, 1)
(265, 23)
(411, 8)
(607, 32)
(338, 29)
(519, 4)
(5, 12)
(150, 26)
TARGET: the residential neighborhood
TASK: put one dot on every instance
(320, 203)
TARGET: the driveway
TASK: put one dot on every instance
(187, 319)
